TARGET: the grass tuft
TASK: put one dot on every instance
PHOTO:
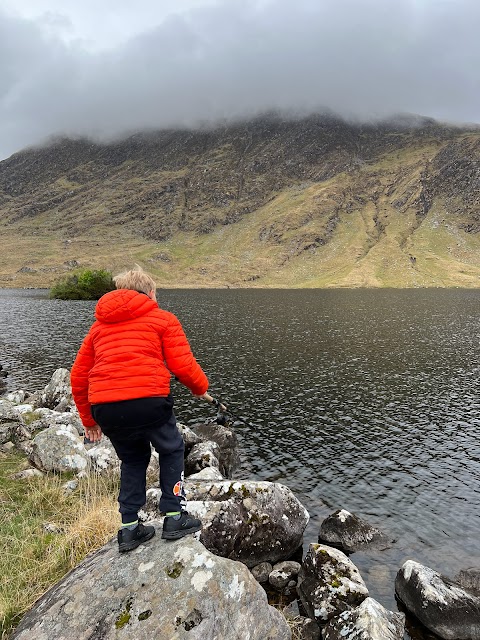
(295, 622)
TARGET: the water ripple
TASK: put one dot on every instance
(365, 400)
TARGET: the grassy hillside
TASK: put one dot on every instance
(268, 203)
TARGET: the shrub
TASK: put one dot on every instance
(89, 284)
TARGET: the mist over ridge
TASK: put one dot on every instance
(233, 60)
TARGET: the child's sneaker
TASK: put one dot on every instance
(174, 528)
(129, 539)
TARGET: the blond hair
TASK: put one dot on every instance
(136, 279)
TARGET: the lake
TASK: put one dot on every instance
(366, 400)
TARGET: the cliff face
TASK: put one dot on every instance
(270, 202)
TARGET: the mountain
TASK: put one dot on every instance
(313, 202)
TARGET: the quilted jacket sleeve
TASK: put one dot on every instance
(179, 358)
(79, 380)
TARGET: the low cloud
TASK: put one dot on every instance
(363, 59)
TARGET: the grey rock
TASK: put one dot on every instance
(21, 433)
(209, 473)
(369, 621)
(8, 446)
(6, 408)
(469, 579)
(309, 630)
(57, 391)
(261, 571)
(43, 418)
(51, 527)
(278, 580)
(249, 521)
(25, 447)
(329, 583)
(26, 474)
(202, 455)
(7, 429)
(64, 404)
(21, 409)
(153, 468)
(59, 448)
(227, 441)
(104, 459)
(189, 437)
(103, 456)
(283, 573)
(290, 567)
(349, 533)
(442, 605)
(33, 398)
(17, 397)
(175, 590)
(12, 422)
(70, 486)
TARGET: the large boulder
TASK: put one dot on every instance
(369, 621)
(176, 590)
(104, 459)
(43, 418)
(441, 604)
(103, 456)
(349, 533)
(58, 393)
(227, 441)
(329, 583)
(59, 448)
(249, 521)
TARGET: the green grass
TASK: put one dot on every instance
(31, 559)
(275, 245)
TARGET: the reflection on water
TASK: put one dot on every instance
(365, 400)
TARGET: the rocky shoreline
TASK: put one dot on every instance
(213, 585)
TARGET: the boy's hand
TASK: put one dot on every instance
(93, 433)
(206, 396)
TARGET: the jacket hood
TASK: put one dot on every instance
(123, 304)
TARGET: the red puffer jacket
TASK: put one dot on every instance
(129, 353)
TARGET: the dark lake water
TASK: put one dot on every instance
(366, 400)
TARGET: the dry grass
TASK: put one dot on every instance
(33, 559)
(294, 621)
(295, 624)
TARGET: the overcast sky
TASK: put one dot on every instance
(106, 67)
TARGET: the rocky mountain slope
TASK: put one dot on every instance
(315, 202)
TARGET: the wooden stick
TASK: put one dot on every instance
(215, 402)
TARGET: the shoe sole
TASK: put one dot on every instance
(130, 546)
(175, 535)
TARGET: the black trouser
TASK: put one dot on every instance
(132, 425)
